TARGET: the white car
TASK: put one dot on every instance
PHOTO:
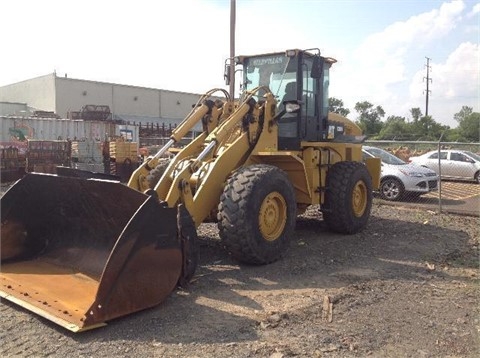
(454, 164)
(401, 180)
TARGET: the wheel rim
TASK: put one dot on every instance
(359, 199)
(272, 216)
(390, 190)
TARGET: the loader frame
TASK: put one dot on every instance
(260, 161)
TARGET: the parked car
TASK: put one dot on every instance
(401, 180)
(455, 164)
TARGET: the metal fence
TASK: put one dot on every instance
(456, 164)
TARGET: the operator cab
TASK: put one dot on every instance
(299, 81)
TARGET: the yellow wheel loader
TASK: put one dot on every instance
(82, 251)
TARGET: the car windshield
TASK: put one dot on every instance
(473, 155)
(385, 156)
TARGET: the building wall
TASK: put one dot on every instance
(73, 94)
(123, 100)
(62, 94)
(14, 109)
(130, 100)
(134, 104)
(177, 104)
(37, 92)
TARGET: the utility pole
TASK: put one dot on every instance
(427, 92)
(232, 48)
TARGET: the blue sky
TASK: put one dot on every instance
(182, 45)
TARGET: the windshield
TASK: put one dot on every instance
(273, 71)
(385, 156)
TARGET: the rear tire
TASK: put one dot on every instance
(257, 214)
(348, 198)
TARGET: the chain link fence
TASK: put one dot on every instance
(457, 166)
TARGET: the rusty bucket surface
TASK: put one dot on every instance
(80, 252)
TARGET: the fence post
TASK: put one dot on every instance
(440, 174)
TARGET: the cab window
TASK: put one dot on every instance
(458, 157)
(443, 155)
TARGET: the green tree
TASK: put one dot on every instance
(370, 118)
(336, 105)
(468, 124)
(465, 112)
(395, 127)
(416, 113)
(427, 129)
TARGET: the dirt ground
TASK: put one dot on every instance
(407, 286)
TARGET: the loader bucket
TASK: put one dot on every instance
(80, 252)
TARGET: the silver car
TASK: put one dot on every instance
(454, 164)
(401, 180)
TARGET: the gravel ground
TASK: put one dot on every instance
(406, 286)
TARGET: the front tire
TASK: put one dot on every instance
(156, 173)
(348, 198)
(257, 214)
(391, 189)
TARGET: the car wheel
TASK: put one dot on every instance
(391, 189)
(477, 177)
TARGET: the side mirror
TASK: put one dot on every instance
(226, 74)
(317, 67)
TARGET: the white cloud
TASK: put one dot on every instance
(456, 83)
(475, 10)
(385, 52)
(182, 45)
(459, 75)
(383, 58)
(146, 43)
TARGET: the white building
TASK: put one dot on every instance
(61, 95)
